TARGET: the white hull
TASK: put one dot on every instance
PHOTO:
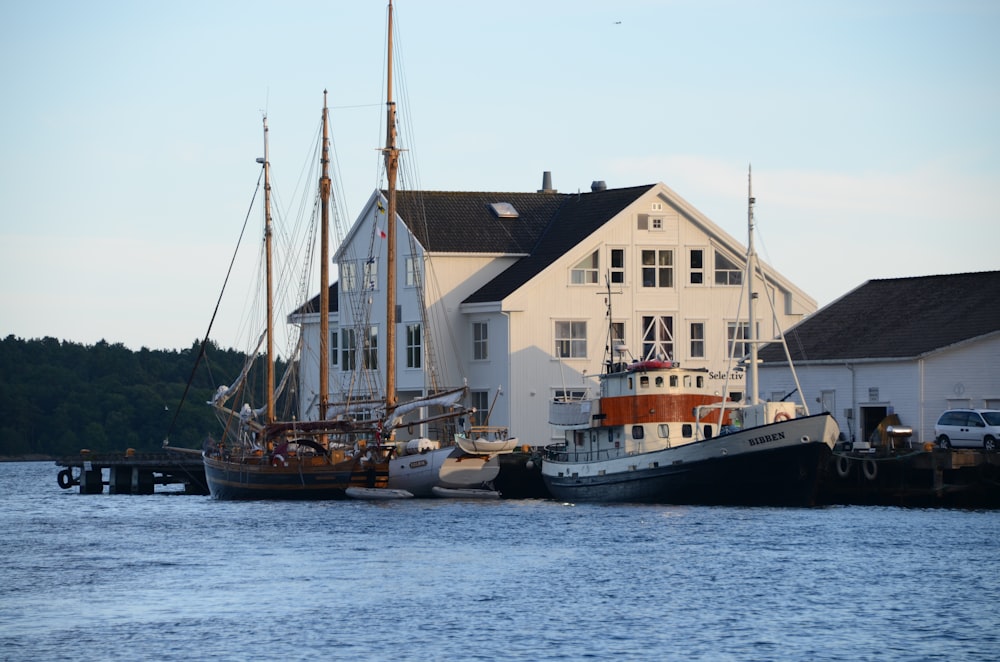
(483, 446)
(376, 493)
(446, 467)
(467, 493)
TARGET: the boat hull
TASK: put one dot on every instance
(447, 467)
(232, 480)
(776, 464)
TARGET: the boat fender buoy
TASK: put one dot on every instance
(843, 466)
(780, 416)
(65, 479)
(870, 469)
(278, 461)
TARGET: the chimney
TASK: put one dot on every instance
(598, 185)
(547, 183)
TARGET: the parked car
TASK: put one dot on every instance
(970, 428)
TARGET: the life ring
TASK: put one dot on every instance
(870, 469)
(843, 466)
(278, 460)
(780, 416)
(65, 479)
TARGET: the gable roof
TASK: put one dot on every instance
(312, 306)
(547, 226)
(896, 318)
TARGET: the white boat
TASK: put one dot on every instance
(465, 493)
(657, 433)
(377, 493)
(486, 440)
(424, 464)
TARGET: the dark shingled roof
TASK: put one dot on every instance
(896, 318)
(547, 225)
(312, 306)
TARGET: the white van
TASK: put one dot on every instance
(970, 428)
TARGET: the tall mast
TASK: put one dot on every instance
(324, 272)
(752, 295)
(391, 165)
(270, 281)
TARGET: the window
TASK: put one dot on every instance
(348, 277)
(480, 341)
(663, 431)
(656, 223)
(697, 272)
(617, 265)
(735, 332)
(348, 349)
(727, 272)
(657, 268)
(414, 347)
(411, 271)
(586, 270)
(637, 432)
(481, 401)
(370, 351)
(571, 340)
(333, 347)
(697, 340)
(656, 206)
(371, 274)
(657, 337)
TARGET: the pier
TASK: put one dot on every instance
(131, 472)
(926, 477)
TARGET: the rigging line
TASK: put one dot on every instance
(218, 302)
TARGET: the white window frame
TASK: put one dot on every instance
(570, 339)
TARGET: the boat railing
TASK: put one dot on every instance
(568, 414)
(562, 453)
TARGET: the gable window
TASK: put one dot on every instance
(727, 272)
(411, 271)
(585, 271)
(571, 340)
(658, 268)
(697, 267)
(657, 337)
(480, 341)
(656, 223)
(618, 265)
(349, 349)
(697, 340)
(371, 273)
(414, 346)
(348, 276)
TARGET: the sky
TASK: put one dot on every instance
(129, 132)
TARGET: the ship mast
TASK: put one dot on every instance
(324, 272)
(752, 295)
(270, 281)
(391, 153)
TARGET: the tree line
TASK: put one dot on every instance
(58, 397)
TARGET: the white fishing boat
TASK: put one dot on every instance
(657, 433)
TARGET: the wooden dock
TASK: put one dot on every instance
(924, 478)
(133, 473)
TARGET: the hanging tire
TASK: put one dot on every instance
(843, 466)
(65, 479)
(870, 469)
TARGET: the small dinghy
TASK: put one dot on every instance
(377, 493)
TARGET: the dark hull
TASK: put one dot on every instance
(237, 481)
(785, 476)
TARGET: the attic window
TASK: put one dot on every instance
(504, 210)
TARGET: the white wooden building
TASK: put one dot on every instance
(515, 287)
(906, 346)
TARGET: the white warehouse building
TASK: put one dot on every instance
(509, 291)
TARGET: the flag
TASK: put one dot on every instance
(381, 209)
(381, 233)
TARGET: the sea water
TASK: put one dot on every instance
(171, 576)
